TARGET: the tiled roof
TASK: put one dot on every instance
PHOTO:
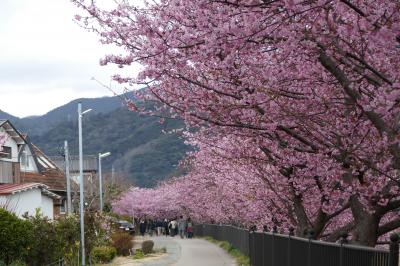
(8, 189)
(45, 162)
(89, 162)
(49, 174)
(53, 179)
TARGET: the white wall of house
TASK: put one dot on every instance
(28, 201)
(10, 142)
(47, 206)
(27, 162)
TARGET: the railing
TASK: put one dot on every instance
(272, 249)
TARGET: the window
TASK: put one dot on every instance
(25, 159)
(5, 152)
(62, 206)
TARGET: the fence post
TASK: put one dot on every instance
(251, 245)
(274, 231)
(394, 250)
(291, 233)
(310, 234)
(265, 229)
(343, 241)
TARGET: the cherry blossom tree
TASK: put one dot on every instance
(301, 95)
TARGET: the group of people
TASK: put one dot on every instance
(173, 227)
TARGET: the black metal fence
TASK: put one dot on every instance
(271, 249)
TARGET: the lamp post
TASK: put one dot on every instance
(81, 181)
(101, 155)
(69, 200)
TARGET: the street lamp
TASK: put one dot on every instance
(101, 155)
(81, 190)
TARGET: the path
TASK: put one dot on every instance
(189, 252)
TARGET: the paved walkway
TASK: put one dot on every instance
(189, 252)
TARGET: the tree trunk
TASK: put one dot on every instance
(365, 231)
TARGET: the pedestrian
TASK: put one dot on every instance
(166, 229)
(173, 226)
(142, 227)
(146, 225)
(153, 227)
(159, 226)
(182, 226)
(150, 227)
(189, 228)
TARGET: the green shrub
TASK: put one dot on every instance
(226, 245)
(138, 254)
(47, 245)
(147, 247)
(18, 263)
(122, 242)
(103, 254)
(93, 231)
(15, 237)
(68, 231)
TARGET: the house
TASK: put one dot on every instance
(25, 198)
(27, 175)
(90, 165)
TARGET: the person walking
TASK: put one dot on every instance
(159, 226)
(182, 226)
(166, 229)
(142, 227)
(173, 226)
(189, 228)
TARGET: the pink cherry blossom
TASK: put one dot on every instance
(294, 106)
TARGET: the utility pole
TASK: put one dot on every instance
(69, 201)
(101, 155)
(81, 182)
(112, 174)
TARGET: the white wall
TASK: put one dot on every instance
(30, 166)
(28, 201)
(14, 148)
(47, 206)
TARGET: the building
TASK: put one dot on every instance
(26, 172)
(24, 198)
(90, 166)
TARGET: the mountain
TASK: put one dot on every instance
(7, 116)
(37, 125)
(139, 149)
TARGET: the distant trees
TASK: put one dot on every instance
(127, 136)
(295, 105)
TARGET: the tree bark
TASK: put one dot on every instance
(365, 231)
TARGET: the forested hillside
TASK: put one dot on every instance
(139, 149)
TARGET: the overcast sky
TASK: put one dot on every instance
(46, 59)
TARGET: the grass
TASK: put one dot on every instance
(139, 253)
(241, 259)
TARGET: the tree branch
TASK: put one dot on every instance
(389, 226)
